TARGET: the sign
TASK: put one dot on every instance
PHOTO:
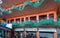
(31, 29)
(19, 29)
(9, 26)
(26, 29)
(47, 29)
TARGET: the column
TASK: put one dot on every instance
(29, 18)
(37, 18)
(9, 21)
(48, 16)
(37, 34)
(14, 20)
(24, 19)
(55, 16)
(55, 34)
(20, 19)
(24, 33)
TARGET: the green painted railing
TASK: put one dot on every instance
(36, 23)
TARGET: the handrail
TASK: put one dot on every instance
(36, 23)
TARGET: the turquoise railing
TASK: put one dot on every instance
(46, 21)
(28, 22)
(36, 23)
(58, 22)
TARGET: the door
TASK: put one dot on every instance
(1, 33)
(46, 35)
(31, 34)
(19, 35)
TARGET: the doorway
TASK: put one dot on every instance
(31, 34)
(46, 35)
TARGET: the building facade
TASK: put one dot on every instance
(33, 18)
(5, 32)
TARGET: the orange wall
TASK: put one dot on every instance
(39, 14)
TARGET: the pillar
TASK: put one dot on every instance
(24, 33)
(24, 19)
(14, 20)
(47, 16)
(55, 34)
(55, 16)
(29, 18)
(37, 34)
(20, 19)
(37, 18)
(9, 21)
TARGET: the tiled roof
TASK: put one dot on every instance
(9, 3)
(46, 6)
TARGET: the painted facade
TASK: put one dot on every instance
(39, 18)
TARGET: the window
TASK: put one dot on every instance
(51, 16)
(46, 35)
(33, 18)
(26, 18)
(18, 20)
(8, 21)
(42, 17)
(22, 19)
(12, 20)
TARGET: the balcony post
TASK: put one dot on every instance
(9, 20)
(14, 20)
(37, 18)
(24, 33)
(24, 19)
(20, 19)
(48, 16)
(37, 33)
(55, 33)
(29, 18)
(55, 16)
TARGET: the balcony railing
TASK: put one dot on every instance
(36, 23)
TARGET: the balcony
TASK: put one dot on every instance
(36, 23)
